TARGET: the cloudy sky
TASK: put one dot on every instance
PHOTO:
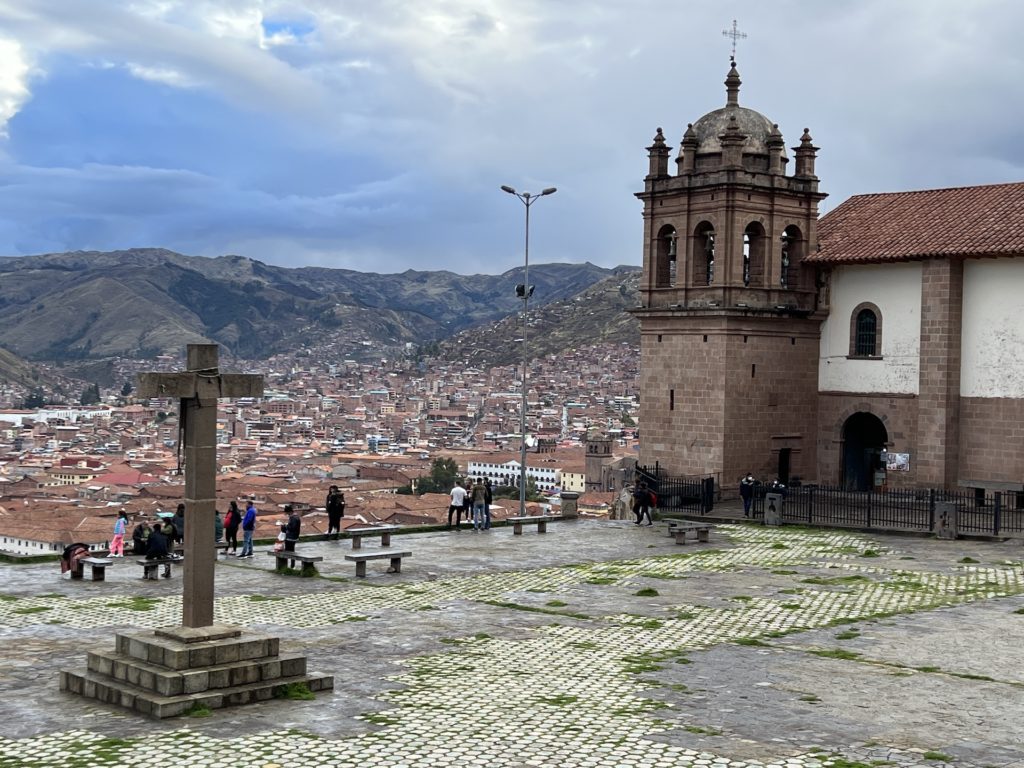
(374, 134)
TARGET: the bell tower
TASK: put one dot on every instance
(728, 316)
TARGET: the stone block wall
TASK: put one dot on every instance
(991, 448)
(897, 412)
(938, 413)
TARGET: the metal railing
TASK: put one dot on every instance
(680, 493)
(979, 512)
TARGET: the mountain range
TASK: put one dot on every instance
(90, 305)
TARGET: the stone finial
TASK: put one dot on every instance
(732, 87)
(805, 155)
(732, 140)
(658, 153)
(775, 147)
(687, 150)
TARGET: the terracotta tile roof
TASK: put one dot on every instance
(902, 226)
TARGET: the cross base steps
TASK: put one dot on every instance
(164, 673)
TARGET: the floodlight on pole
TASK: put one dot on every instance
(525, 291)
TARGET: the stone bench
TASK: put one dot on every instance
(384, 531)
(219, 547)
(151, 566)
(395, 557)
(98, 566)
(541, 521)
(287, 560)
(678, 529)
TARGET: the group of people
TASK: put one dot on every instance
(156, 539)
(474, 500)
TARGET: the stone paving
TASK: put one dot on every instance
(597, 645)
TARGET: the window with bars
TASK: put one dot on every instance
(866, 334)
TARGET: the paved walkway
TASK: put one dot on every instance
(598, 644)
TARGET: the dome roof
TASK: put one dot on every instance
(751, 123)
(755, 126)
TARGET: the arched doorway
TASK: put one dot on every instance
(864, 438)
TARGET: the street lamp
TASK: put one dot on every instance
(525, 291)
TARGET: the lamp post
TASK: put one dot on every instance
(524, 292)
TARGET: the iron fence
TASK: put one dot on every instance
(679, 493)
(978, 512)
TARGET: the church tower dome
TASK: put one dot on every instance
(755, 128)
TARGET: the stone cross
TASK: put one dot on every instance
(198, 389)
(735, 34)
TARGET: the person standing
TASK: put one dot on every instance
(248, 528)
(232, 520)
(120, 528)
(747, 493)
(335, 511)
(458, 499)
(479, 503)
(488, 499)
(467, 499)
(642, 504)
(218, 526)
(179, 524)
(291, 528)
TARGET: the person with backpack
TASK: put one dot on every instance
(642, 499)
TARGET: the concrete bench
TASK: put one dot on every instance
(288, 560)
(151, 567)
(395, 557)
(678, 529)
(384, 531)
(541, 521)
(98, 566)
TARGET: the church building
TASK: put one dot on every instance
(880, 345)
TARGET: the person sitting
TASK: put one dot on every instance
(71, 555)
(140, 535)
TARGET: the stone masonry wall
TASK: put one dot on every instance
(938, 412)
(681, 408)
(992, 441)
(897, 412)
(771, 377)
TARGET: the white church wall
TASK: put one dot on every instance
(896, 290)
(992, 335)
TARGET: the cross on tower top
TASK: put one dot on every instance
(735, 34)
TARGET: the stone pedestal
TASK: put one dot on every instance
(947, 525)
(167, 672)
(569, 508)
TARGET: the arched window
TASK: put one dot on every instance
(866, 331)
(790, 257)
(704, 254)
(753, 254)
(665, 257)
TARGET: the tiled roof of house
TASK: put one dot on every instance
(903, 226)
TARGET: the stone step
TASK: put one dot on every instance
(173, 682)
(165, 651)
(119, 693)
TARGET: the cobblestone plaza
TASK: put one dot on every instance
(598, 644)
